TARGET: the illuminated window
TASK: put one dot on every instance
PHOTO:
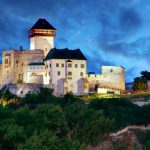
(76, 65)
(58, 73)
(62, 65)
(57, 65)
(69, 73)
(69, 65)
(81, 74)
(82, 65)
(45, 74)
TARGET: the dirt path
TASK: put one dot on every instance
(142, 127)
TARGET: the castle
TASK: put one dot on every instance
(62, 70)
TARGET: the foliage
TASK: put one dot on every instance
(94, 124)
(42, 121)
(140, 84)
(45, 140)
(146, 75)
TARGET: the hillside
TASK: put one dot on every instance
(44, 122)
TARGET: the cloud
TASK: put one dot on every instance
(108, 32)
(130, 20)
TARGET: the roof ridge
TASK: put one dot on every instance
(65, 54)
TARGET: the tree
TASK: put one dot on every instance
(11, 135)
(86, 124)
(140, 84)
(45, 140)
(145, 74)
(50, 117)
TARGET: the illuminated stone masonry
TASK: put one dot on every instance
(63, 70)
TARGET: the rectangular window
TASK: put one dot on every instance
(50, 65)
(76, 65)
(69, 65)
(57, 65)
(6, 61)
(81, 74)
(62, 65)
(46, 66)
(33, 74)
(69, 73)
(82, 65)
(58, 73)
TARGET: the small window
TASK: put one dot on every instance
(21, 92)
(50, 65)
(76, 65)
(62, 65)
(69, 65)
(69, 73)
(45, 74)
(6, 61)
(57, 65)
(82, 65)
(81, 74)
(58, 73)
(33, 74)
(111, 70)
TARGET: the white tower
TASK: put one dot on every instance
(42, 36)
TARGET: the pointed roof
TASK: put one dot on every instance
(65, 54)
(42, 24)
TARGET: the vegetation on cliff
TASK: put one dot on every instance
(42, 121)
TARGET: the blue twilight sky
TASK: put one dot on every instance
(109, 32)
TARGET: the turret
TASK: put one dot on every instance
(42, 36)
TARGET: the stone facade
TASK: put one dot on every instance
(15, 64)
(111, 80)
(62, 70)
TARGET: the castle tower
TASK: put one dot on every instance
(42, 36)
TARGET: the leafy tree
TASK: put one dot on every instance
(73, 145)
(50, 117)
(11, 136)
(86, 124)
(45, 140)
(140, 84)
(146, 75)
(147, 145)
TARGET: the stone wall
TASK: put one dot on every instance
(22, 89)
(15, 64)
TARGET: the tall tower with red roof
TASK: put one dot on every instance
(42, 36)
